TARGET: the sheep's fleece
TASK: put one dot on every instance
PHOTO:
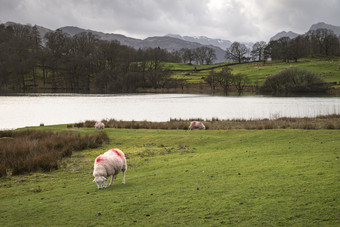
(99, 125)
(110, 163)
(196, 124)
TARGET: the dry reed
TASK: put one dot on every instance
(29, 151)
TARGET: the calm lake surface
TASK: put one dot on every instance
(31, 110)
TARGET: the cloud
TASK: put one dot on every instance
(294, 15)
(154, 17)
(230, 18)
(236, 20)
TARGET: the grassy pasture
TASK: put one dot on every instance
(257, 72)
(286, 177)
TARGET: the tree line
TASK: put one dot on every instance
(200, 55)
(84, 63)
(80, 63)
(315, 42)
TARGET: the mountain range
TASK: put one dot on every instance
(335, 29)
(171, 43)
(292, 35)
(221, 43)
(174, 42)
(289, 34)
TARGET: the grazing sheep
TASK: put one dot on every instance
(99, 125)
(196, 124)
(110, 163)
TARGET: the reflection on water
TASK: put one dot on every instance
(21, 111)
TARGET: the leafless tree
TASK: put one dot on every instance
(225, 79)
(258, 51)
(324, 41)
(240, 81)
(236, 52)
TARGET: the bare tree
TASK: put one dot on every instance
(258, 51)
(240, 81)
(225, 78)
(278, 49)
(236, 52)
(323, 41)
(24, 46)
(212, 81)
(81, 61)
(199, 54)
(57, 47)
(210, 56)
(298, 48)
(187, 55)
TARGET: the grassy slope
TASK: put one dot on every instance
(257, 72)
(241, 177)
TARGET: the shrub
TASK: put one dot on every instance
(294, 80)
(28, 151)
(89, 124)
(79, 125)
(6, 133)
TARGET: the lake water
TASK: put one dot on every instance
(31, 110)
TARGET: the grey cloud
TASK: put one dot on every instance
(241, 20)
(297, 15)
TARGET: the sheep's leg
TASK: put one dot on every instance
(113, 177)
(105, 184)
(123, 177)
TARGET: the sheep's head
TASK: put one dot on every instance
(99, 181)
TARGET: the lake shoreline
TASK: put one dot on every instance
(35, 109)
(166, 91)
(331, 121)
(199, 88)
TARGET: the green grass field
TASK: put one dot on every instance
(257, 72)
(188, 178)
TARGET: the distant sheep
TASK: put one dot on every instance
(109, 164)
(99, 125)
(196, 124)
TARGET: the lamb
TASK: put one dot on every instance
(196, 124)
(109, 164)
(99, 125)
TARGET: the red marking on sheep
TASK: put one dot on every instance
(117, 152)
(99, 159)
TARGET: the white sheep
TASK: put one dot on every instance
(196, 124)
(109, 164)
(99, 125)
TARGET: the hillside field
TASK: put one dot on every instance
(328, 68)
(277, 177)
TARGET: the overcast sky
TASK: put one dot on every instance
(235, 20)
